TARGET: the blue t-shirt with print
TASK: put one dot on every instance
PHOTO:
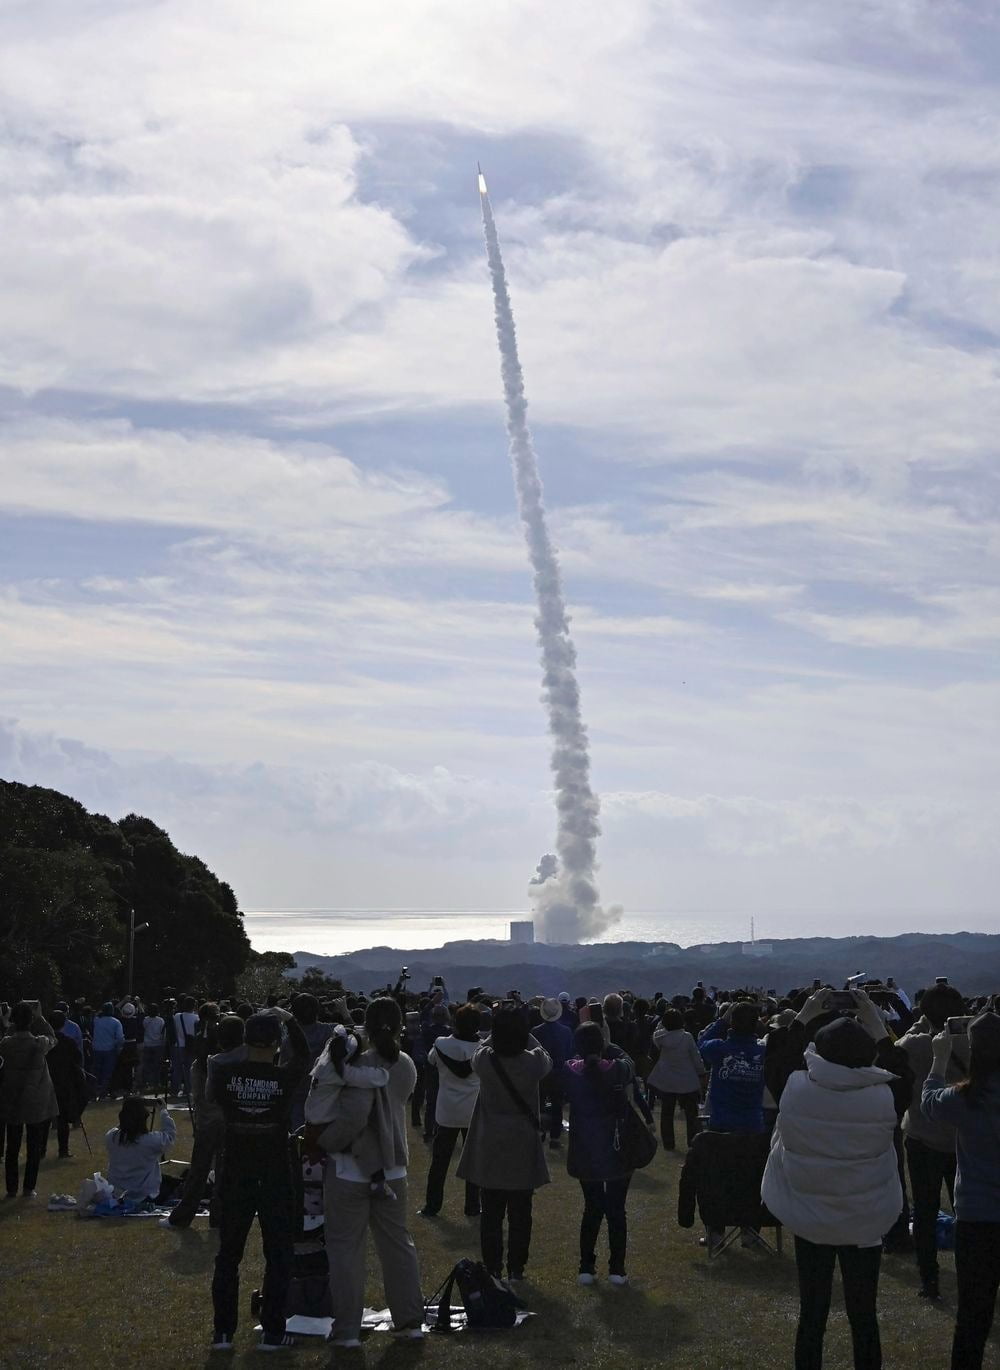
(735, 1084)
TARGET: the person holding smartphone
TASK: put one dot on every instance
(972, 1108)
(930, 1146)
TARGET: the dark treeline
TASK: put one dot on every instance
(68, 882)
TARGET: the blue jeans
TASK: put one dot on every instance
(104, 1068)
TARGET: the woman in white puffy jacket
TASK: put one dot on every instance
(832, 1179)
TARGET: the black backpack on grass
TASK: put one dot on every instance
(488, 1303)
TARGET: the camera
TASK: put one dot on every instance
(941, 980)
(958, 1027)
(438, 980)
(404, 974)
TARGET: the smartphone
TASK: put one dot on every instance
(840, 1001)
(941, 980)
(958, 1027)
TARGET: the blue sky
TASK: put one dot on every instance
(262, 576)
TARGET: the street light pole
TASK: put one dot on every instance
(132, 930)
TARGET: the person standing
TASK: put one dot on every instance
(557, 1039)
(930, 1146)
(368, 1135)
(832, 1179)
(65, 1063)
(678, 1076)
(734, 1055)
(27, 1098)
(108, 1039)
(256, 1096)
(503, 1151)
(185, 1035)
(153, 1045)
(598, 1081)
(458, 1090)
(972, 1108)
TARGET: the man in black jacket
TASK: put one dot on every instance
(256, 1096)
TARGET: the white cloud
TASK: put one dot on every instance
(752, 260)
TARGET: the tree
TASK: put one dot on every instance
(264, 974)
(68, 882)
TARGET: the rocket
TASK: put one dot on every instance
(482, 180)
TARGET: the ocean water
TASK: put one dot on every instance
(333, 932)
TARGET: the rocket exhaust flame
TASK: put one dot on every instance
(564, 890)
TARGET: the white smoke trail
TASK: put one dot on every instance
(566, 898)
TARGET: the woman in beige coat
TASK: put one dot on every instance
(503, 1149)
(27, 1097)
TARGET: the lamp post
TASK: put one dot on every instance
(132, 930)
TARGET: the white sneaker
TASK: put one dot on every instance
(586, 1277)
(618, 1279)
(221, 1342)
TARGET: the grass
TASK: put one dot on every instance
(80, 1294)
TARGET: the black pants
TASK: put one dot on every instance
(977, 1265)
(515, 1206)
(444, 1145)
(419, 1090)
(689, 1107)
(34, 1139)
(604, 1199)
(929, 1170)
(268, 1196)
(859, 1268)
(552, 1104)
(63, 1124)
(207, 1149)
(431, 1083)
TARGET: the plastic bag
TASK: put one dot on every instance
(93, 1189)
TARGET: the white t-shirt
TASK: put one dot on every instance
(185, 1023)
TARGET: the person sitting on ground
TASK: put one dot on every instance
(678, 1076)
(832, 1179)
(333, 1074)
(972, 1108)
(930, 1145)
(134, 1152)
(458, 1088)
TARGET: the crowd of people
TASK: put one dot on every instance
(863, 1109)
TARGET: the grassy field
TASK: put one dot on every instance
(80, 1294)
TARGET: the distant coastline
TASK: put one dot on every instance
(339, 931)
(971, 960)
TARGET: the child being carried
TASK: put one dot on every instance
(331, 1075)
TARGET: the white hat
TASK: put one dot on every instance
(551, 1010)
